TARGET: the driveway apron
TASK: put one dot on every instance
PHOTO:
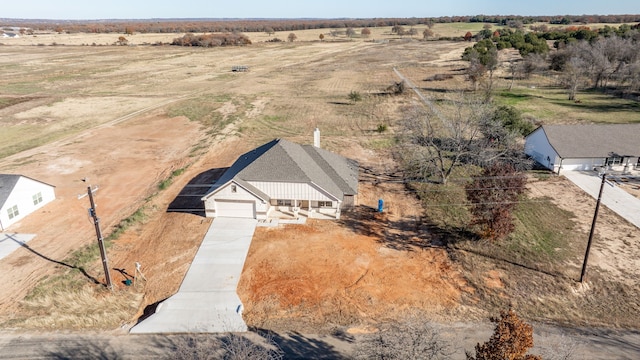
(207, 300)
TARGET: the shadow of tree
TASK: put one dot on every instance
(297, 346)
(404, 234)
(70, 266)
(85, 349)
(189, 198)
(600, 107)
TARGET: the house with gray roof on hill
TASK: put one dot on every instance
(21, 196)
(586, 147)
(282, 177)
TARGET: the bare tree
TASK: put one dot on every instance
(229, 347)
(573, 76)
(434, 144)
(365, 33)
(476, 70)
(292, 37)
(350, 32)
(427, 33)
(398, 29)
(411, 339)
(533, 63)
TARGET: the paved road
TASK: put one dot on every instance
(613, 197)
(207, 300)
(593, 344)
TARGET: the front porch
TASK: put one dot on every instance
(287, 213)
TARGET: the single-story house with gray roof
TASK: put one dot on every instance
(585, 147)
(20, 196)
(285, 178)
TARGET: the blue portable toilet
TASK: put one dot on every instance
(380, 205)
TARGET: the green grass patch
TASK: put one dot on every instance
(542, 232)
(9, 101)
(22, 88)
(137, 217)
(444, 204)
(381, 143)
(513, 98)
(168, 181)
(275, 118)
(551, 105)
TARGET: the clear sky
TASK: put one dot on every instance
(146, 9)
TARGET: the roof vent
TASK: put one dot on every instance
(316, 137)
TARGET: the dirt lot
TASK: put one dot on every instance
(115, 115)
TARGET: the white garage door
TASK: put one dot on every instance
(240, 209)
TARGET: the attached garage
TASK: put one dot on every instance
(237, 209)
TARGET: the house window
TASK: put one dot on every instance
(612, 161)
(37, 198)
(285, 202)
(13, 211)
(324, 204)
(234, 189)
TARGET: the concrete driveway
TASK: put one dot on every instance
(613, 197)
(9, 242)
(207, 300)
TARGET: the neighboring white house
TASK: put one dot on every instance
(20, 196)
(585, 147)
(285, 177)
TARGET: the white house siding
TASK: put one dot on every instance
(22, 196)
(292, 191)
(581, 164)
(240, 195)
(538, 147)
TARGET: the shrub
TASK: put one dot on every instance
(211, 40)
(355, 96)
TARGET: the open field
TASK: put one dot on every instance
(377, 33)
(127, 117)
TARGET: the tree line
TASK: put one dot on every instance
(605, 58)
(270, 25)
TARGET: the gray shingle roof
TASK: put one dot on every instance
(594, 141)
(283, 161)
(7, 183)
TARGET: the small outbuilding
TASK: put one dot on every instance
(285, 178)
(585, 147)
(20, 196)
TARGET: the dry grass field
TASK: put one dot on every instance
(142, 121)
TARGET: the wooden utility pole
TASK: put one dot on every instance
(593, 227)
(103, 252)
